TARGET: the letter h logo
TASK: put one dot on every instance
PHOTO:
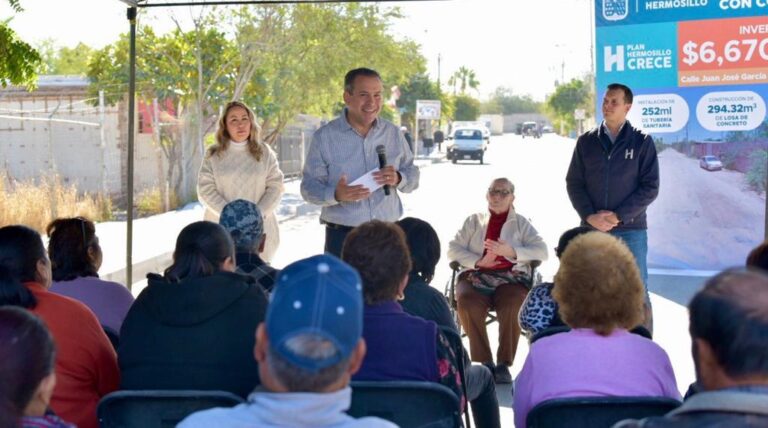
(629, 154)
(613, 58)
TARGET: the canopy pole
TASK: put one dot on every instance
(131, 131)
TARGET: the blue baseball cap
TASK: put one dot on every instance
(320, 295)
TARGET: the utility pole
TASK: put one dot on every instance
(562, 72)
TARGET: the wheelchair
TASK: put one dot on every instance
(450, 291)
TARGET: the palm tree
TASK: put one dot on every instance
(466, 78)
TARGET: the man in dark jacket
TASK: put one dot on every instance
(614, 176)
(729, 323)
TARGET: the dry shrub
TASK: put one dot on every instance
(150, 202)
(33, 204)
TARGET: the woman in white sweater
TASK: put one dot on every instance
(240, 166)
(495, 247)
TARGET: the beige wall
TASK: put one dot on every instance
(30, 150)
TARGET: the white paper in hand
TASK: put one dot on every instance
(367, 180)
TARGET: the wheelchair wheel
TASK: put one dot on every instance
(450, 297)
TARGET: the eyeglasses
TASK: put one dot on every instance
(496, 192)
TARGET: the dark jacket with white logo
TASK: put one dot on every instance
(622, 177)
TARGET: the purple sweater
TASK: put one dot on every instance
(399, 346)
(109, 300)
(581, 363)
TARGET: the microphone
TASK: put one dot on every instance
(382, 163)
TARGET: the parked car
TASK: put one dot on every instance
(530, 129)
(711, 163)
(467, 144)
(547, 129)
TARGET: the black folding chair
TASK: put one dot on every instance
(549, 331)
(596, 412)
(408, 404)
(450, 291)
(158, 408)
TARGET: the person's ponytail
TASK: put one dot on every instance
(12, 291)
(200, 250)
(21, 248)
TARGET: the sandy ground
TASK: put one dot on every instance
(702, 219)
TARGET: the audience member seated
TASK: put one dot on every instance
(192, 328)
(728, 326)
(76, 257)
(600, 295)
(245, 224)
(86, 367)
(307, 349)
(400, 346)
(26, 369)
(496, 246)
(539, 310)
(421, 299)
(426, 302)
(758, 257)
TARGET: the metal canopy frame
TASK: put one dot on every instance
(133, 6)
(148, 3)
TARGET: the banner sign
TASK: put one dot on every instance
(428, 109)
(697, 67)
(699, 73)
(626, 12)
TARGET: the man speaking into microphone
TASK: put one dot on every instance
(347, 149)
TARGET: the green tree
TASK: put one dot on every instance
(313, 46)
(465, 78)
(64, 60)
(18, 60)
(567, 98)
(466, 108)
(504, 101)
(193, 69)
(282, 60)
(73, 60)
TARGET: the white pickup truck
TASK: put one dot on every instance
(467, 144)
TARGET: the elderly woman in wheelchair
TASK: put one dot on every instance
(600, 297)
(496, 248)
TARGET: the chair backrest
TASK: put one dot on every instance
(408, 404)
(596, 412)
(158, 408)
(549, 331)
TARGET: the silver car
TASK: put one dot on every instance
(710, 163)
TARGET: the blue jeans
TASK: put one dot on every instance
(637, 241)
